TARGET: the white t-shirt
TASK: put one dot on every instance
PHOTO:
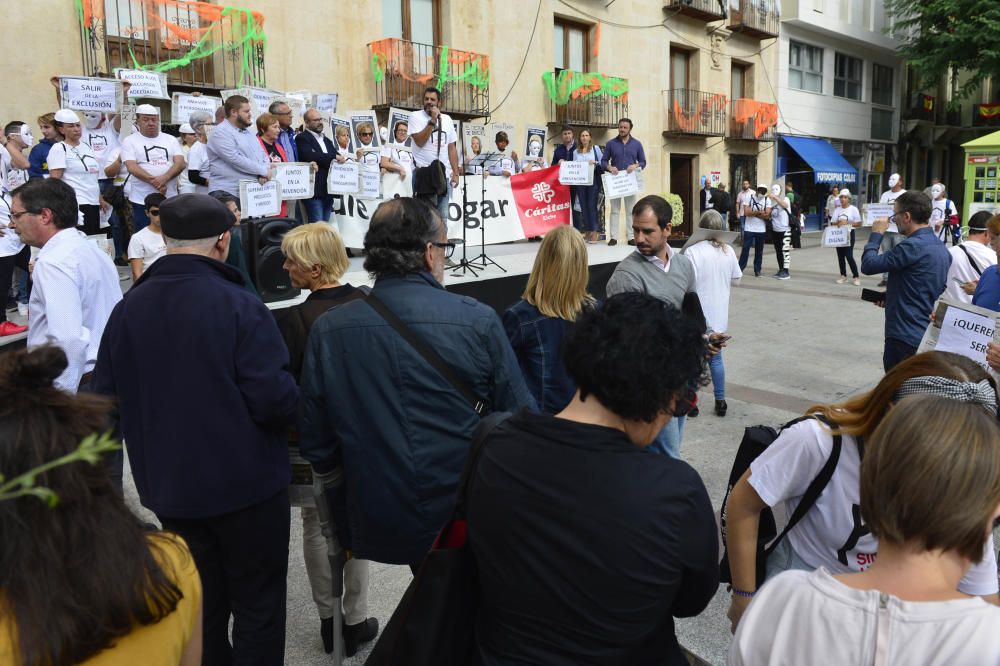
(427, 153)
(941, 210)
(370, 159)
(501, 163)
(850, 213)
(102, 140)
(147, 245)
(962, 270)
(786, 468)
(779, 214)
(155, 156)
(400, 156)
(755, 224)
(802, 617)
(10, 242)
(184, 186)
(81, 169)
(715, 271)
(743, 199)
(197, 160)
(889, 196)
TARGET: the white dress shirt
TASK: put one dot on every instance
(75, 288)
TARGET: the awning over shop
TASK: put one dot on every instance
(827, 164)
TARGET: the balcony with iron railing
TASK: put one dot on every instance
(986, 115)
(197, 44)
(949, 116)
(401, 69)
(756, 18)
(921, 107)
(751, 120)
(585, 99)
(696, 113)
(703, 10)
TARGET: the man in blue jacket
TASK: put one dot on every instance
(313, 146)
(375, 405)
(205, 398)
(918, 273)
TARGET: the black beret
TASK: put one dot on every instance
(193, 216)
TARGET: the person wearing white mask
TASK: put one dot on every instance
(74, 161)
(846, 214)
(100, 132)
(187, 139)
(892, 237)
(969, 259)
(778, 210)
(944, 216)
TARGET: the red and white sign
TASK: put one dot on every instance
(542, 202)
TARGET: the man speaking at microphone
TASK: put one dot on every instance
(434, 138)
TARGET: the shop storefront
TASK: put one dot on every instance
(982, 174)
(813, 166)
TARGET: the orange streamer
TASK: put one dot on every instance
(597, 40)
(764, 115)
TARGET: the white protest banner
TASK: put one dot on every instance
(371, 181)
(325, 102)
(144, 84)
(966, 333)
(343, 178)
(622, 184)
(127, 117)
(576, 173)
(297, 180)
(81, 93)
(352, 214)
(875, 211)
(182, 105)
(258, 200)
(834, 236)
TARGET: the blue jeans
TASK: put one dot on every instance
(320, 208)
(668, 440)
(743, 222)
(442, 203)
(139, 218)
(718, 376)
(755, 238)
(895, 352)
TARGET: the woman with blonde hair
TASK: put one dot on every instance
(315, 259)
(717, 270)
(832, 533)
(585, 196)
(931, 508)
(555, 296)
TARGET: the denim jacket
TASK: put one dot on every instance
(537, 342)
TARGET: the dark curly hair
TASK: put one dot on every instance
(635, 354)
(75, 577)
(398, 235)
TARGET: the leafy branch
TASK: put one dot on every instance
(90, 450)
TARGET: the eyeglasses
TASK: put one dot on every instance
(364, 133)
(449, 247)
(284, 113)
(154, 211)
(17, 216)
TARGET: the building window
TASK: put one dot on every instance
(412, 20)
(882, 124)
(805, 67)
(738, 88)
(882, 85)
(571, 45)
(847, 77)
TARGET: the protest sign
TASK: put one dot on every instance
(534, 143)
(873, 212)
(342, 132)
(326, 102)
(576, 173)
(365, 120)
(258, 200)
(81, 93)
(297, 180)
(371, 180)
(834, 236)
(151, 85)
(542, 201)
(622, 184)
(397, 117)
(343, 178)
(961, 328)
(490, 145)
(182, 105)
(353, 214)
(127, 117)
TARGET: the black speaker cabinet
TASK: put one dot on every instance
(262, 241)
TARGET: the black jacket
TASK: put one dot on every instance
(204, 393)
(309, 151)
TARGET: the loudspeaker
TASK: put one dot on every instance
(262, 242)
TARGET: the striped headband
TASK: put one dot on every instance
(981, 393)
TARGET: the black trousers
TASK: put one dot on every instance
(7, 265)
(846, 254)
(242, 558)
(91, 219)
(782, 241)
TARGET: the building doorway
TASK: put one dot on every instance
(741, 167)
(681, 184)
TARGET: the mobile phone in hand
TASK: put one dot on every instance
(873, 296)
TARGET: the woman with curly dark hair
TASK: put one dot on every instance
(587, 545)
(82, 582)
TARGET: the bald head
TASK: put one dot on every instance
(313, 120)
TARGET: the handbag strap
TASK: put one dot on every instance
(815, 488)
(975, 267)
(483, 430)
(428, 353)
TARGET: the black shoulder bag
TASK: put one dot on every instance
(432, 180)
(480, 405)
(972, 262)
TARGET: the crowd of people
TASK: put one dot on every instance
(589, 532)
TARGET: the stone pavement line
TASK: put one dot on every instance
(801, 292)
(788, 403)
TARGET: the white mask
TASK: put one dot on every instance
(894, 180)
(91, 119)
(776, 190)
(26, 135)
(936, 191)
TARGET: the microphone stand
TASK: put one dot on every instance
(487, 260)
(464, 265)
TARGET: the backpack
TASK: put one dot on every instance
(755, 441)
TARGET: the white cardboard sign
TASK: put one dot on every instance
(343, 178)
(258, 200)
(875, 211)
(297, 180)
(834, 236)
(81, 93)
(371, 181)
(183, 105)
(576, 173)
(326, 102)
(152, 85)
(622, 184)
(966, 333)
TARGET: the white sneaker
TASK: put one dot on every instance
(22, 309)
